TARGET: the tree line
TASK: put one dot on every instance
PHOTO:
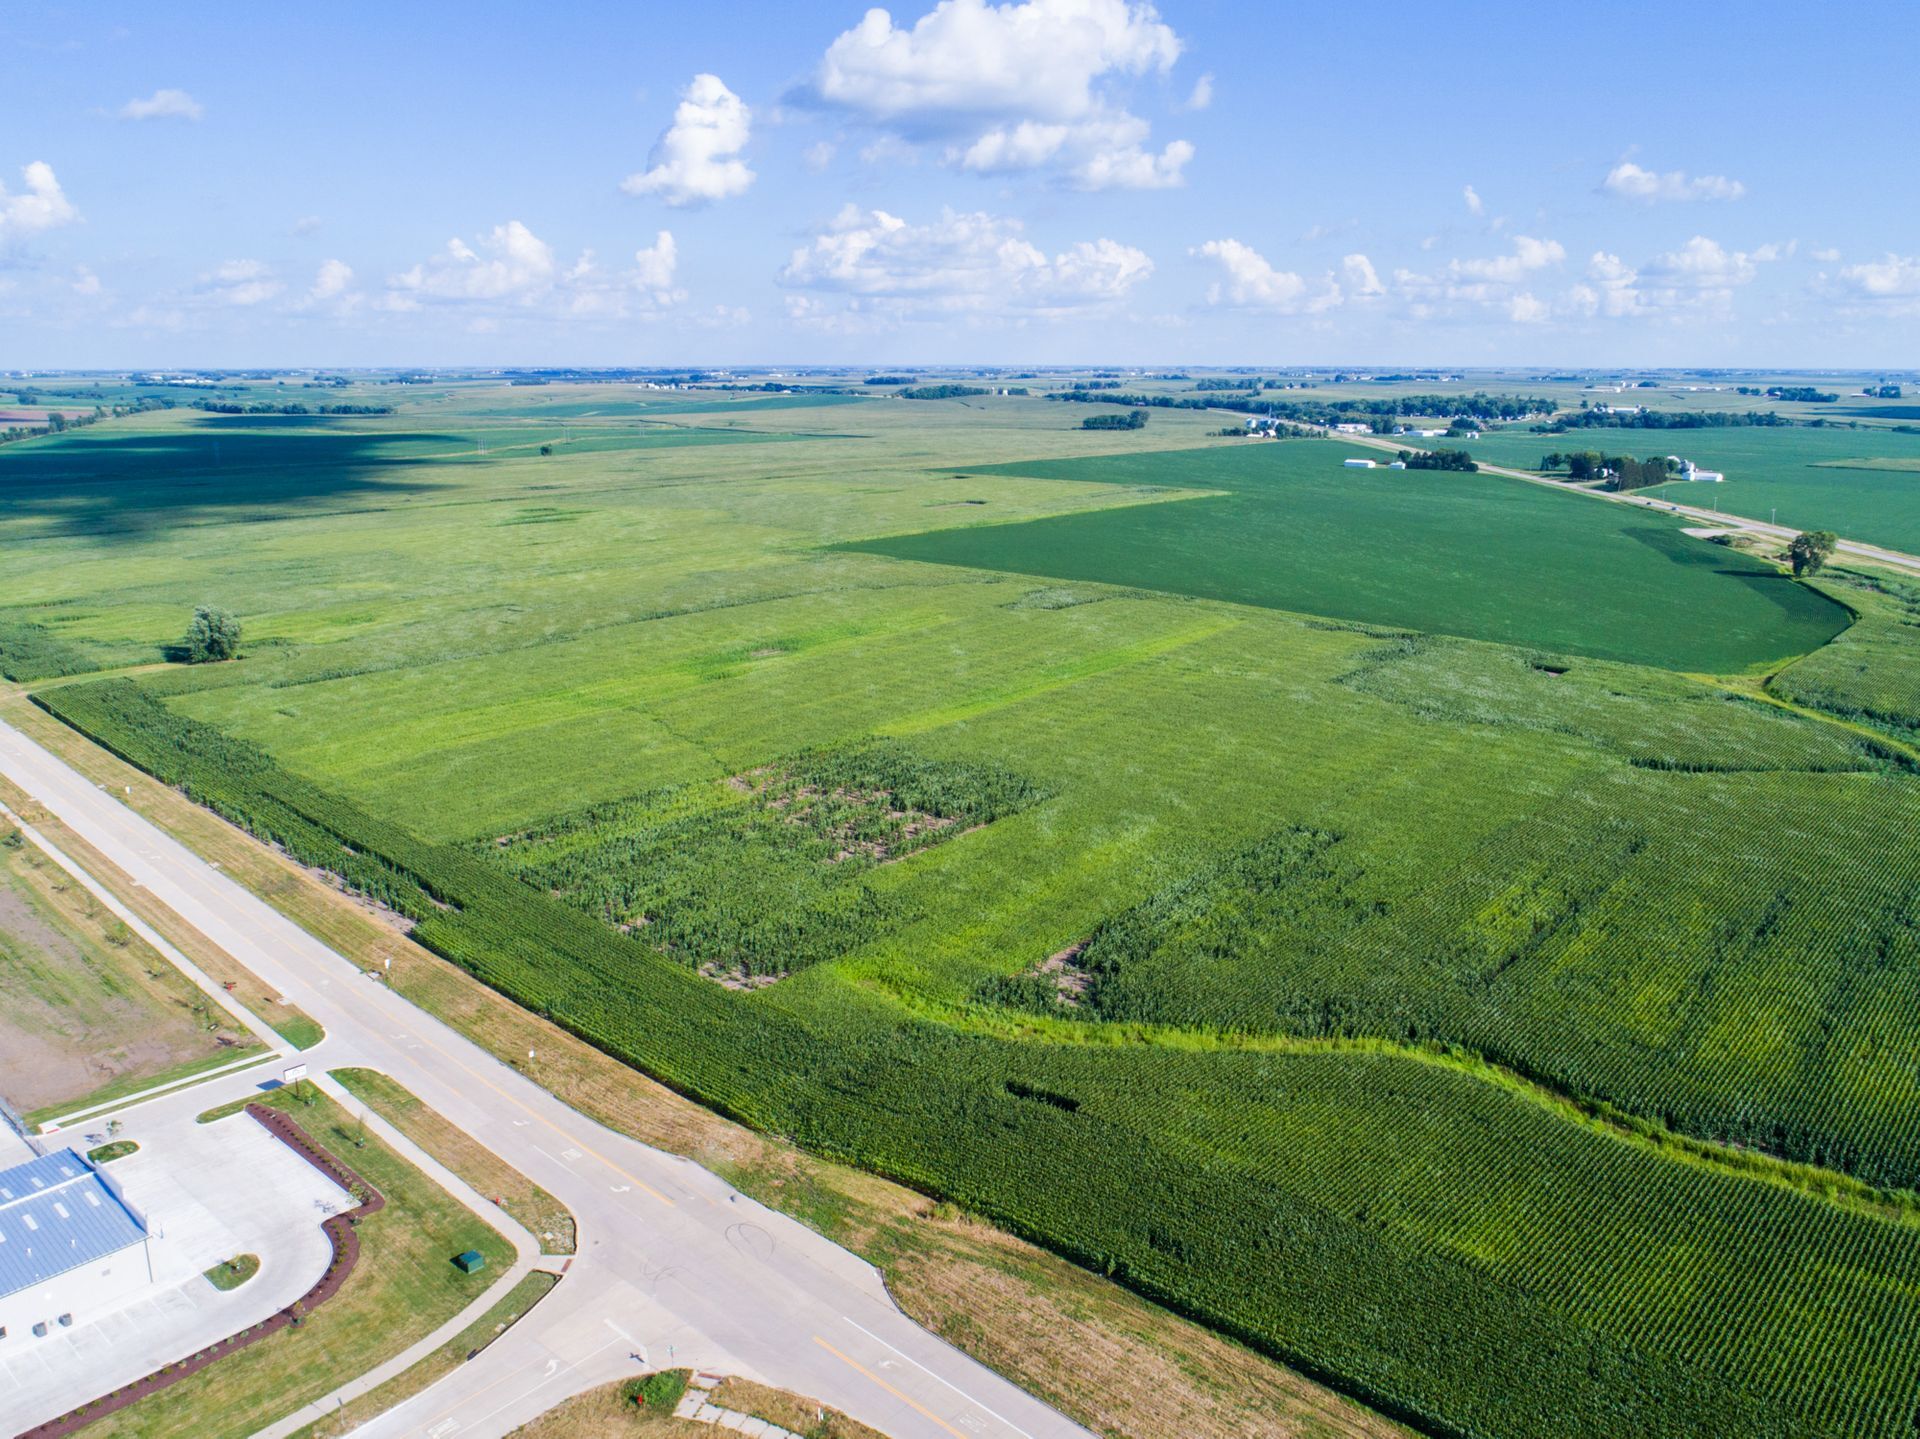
(1660, 420)
(1616, 472)
(1132, 420)
(1441, 459)
(264, 407)
(1478, 406)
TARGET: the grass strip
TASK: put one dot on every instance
(465, 1346)
(403, 1288)
(541, 1213)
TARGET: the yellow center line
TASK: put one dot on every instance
(903, 1398)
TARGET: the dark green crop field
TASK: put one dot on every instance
(1469, 555)
(1181, 873)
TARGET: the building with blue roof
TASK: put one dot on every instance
(71, 1247)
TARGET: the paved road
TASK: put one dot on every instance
(674, 1265)
(1719, 519)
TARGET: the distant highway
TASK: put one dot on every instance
(1719, 519)
(674, 1267)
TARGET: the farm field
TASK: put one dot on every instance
(1202, 934)
(1470, 555)
(1863, 484)
(88, 1010)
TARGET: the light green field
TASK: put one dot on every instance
(1304, 880)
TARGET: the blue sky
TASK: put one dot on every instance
(1055, 181)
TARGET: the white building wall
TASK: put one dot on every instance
(85, 1293)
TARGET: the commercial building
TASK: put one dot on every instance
(71, 1247)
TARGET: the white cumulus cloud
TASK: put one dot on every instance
(1702, 263)
(1634, 183)
(163, 105)
(654, 266)
(242, 283)
(1202, 94)
(332, 280)
(1527, 256)
(1896, 275)
(1890, 284)
(510, 262)
(511, 267)
(697, 160)
(1700, 276)
(332, 289)
(42, 205)
(960, 265)
(1362, 279)
(1527, 309)
(1499, 283)
(1475, 205)
(1249, 281)
(1014, 87)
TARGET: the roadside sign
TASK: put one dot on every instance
(293, 1074)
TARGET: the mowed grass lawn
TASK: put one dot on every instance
(1863, 484)
(1469, 555)
(403, 1288)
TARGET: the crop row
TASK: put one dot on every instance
(1871, 673)
(1438, 1245)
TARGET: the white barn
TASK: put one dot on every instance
(71, 1247)
(1690, 471)
(1359, 464)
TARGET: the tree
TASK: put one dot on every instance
(1810, 551)
(213, 635)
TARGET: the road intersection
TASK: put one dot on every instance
(673, 1265)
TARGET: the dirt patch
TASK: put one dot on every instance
(1070, 982)
(733, 979)
(85, 1005)
(844, 817)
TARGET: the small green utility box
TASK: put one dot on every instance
(472, 1262)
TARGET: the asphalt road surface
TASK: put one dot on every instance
(674, 1266)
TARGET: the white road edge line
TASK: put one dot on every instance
(948, 1382)
(553, 1374)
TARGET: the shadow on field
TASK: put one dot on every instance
(1780, 590)
(1684, 549)
(128, 486)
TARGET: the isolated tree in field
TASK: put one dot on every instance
(213, 635)
(1810, 551)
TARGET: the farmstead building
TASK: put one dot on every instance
(70, 1248)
